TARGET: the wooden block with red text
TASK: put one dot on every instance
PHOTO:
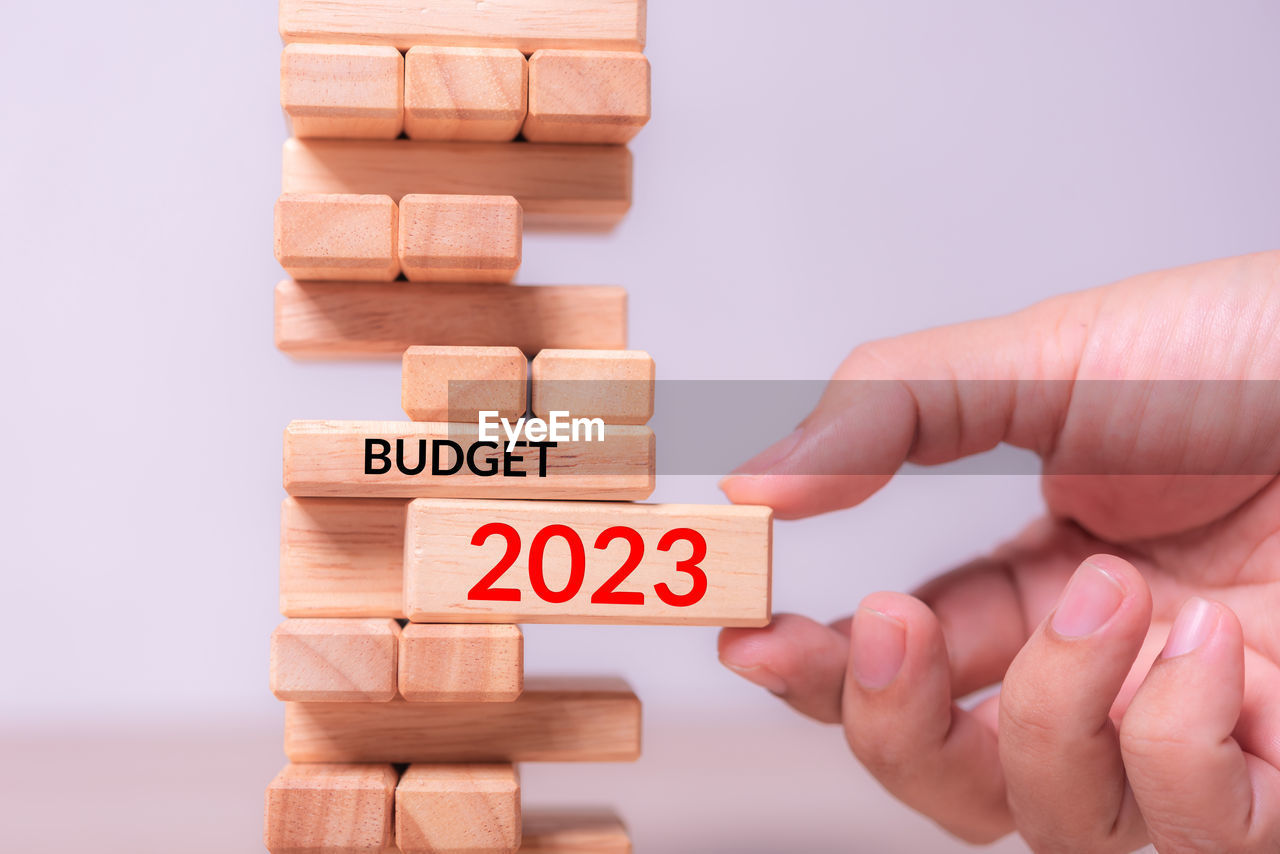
(586, 96)
(554, 720)
(615, 385)
(574, 831)
(459, 663)
(342, 90)
(465, 93)
(337, 237)
(331, 809)
(457, 383)
(409, 459)
(335, 660)
(458, 809)
(585, 562)
(449, 238)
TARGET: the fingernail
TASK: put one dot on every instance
(1194, 624)
(771, 456)
(879, 646)
(762, 676)
(1091, 597)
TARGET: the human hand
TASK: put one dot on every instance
(1141, 704)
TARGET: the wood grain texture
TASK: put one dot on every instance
(615, 385)
(458, 809)
(329, 459)
(559, 186)
(330, 809)
(555, 720)
(461, 663)
(465, 93)
(574, 831)
(526, 25)
(350, 320)
(342, 557)
(457, 383)
(342, 90)
(443, 567)
(336, 236)
(582, 96)
(335, 660)
(450, 238)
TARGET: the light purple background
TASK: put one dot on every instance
(815, 175)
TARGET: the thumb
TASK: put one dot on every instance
(929, 397)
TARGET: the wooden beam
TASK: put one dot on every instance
(335, 660)
(465, 93)
(347, 320)
(523, 24)
(448, 238)
(585, 96)
(458, 809)
(342, 90)
(457, 383)
(574, 831)
(461, 663)
(570, 186)
(330, 808)
(555, 720)
(336, 236)
(615, 385)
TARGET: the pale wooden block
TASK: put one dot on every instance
(349, 320)
(335, 660)
(343, 90)
(526, 25)
(458, 809)
(574, 831)
(715, 569)
(337, 237)
(580, 96)
(342, 557)
(330, 809)
(461, 663)
(559, 186)
(615, 385)
(554, 720)
(447, 238)
(465, 93)
(335, 458)
(457, 383)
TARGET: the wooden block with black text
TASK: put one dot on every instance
(586, 562)
(460, 663)
(337, 237)
(554, 720)
(342, 90)
(331, 809)
(458, 809)
(465, 93)
(451, 238)
(335, 660)
(574, 831)
(614, 385)
(578, 96)
(457, 383)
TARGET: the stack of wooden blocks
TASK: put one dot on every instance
(411, 551)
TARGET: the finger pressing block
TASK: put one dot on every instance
(461, 663)
(334, 90)
(465, 93)
(615, 385)
(330, 808)
(460, 238)
(335, 661)
(457, 383)
(586, 96)
(337, 237)
(458, 809)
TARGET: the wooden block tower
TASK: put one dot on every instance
(426, 136)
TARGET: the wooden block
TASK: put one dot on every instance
(526, 25)
(584, 562)
(461, 663)
(335, 660)
(457, 383)
(557, 185)
(398, 459)
(346, 320)
(337, 237)
(458, 809)
(555, 720)
(330, 809)
(465, 93)
(586, 96)
(616, 385)
(577, 831)
(342, 557)
(342, 90)
(447, 238)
